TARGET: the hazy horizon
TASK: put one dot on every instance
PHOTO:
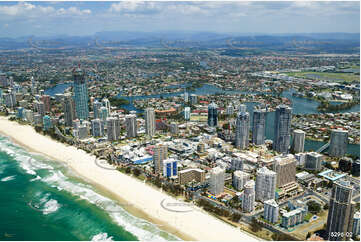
(19, 19)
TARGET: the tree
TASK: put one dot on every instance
(255, 226)
(236, 217)
(314, 207)
(127, 170)
(325, 207)
(136, 172)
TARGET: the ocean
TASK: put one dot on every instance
(40, 199)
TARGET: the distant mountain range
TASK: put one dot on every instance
(308, 42)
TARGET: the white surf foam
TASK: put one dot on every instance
(8, 178)
(51, 206)
(139, 227)
(102, 237)
(142, 229)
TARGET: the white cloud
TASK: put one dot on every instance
(30, 10)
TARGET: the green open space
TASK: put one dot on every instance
(326, 76)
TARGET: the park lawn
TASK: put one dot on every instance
(348, 77)
(308, 216)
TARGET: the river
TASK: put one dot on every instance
(299, 105)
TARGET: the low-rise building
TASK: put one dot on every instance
(189, 175)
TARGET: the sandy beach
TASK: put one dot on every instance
(145, 201)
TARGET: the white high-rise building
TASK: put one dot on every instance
(242, 130)
(39, 107)
(242, 108)
(174, 128)
(217, 181)
(96, 108)
(9, 99)
(230, 109)
(298, 141)
(338, 142)
(106, 104)
(29, 115)
(313, 161)
(187, 113)
(266, 182)
(258, 126)
(113, 128)
(33, 85)
(97, 128)
(237, 163)
(271, 211)
(69, 110)
(285, 167)
(103, 114)
(160, 153)
(150, 121)
(131, 124)
(186, 97)
(239, 179)
(282, 135)
(248, 201)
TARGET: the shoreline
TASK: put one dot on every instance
(145, 200)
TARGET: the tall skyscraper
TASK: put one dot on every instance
(237, 163)
(80, 94)
(69, 110)
(113, 128)
(313, 161)
(258, 126)
(340, 212)
(239, 179)
(39, 107)
(187, 113)
(338, 142)
(194, 99)
(216, 185)
(186, 97)
(282, 135)
(150, 121)
(266, 182)
(33, 85)
(271, 211)
(242, 130)
(212, 115)
(298, 141)
(131, 125)
(285, 167)
(4, 82)
(106, 104)
(160, 153)
(103, 113)
(174, 128)
(248, 200)
(46, 100)
(96, 109)
(47, 124)
(97, 128)
(9, 99)
(230, 110)
(242, 108)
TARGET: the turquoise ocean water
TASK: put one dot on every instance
(41, 200)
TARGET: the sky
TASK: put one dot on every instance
(86, 18)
